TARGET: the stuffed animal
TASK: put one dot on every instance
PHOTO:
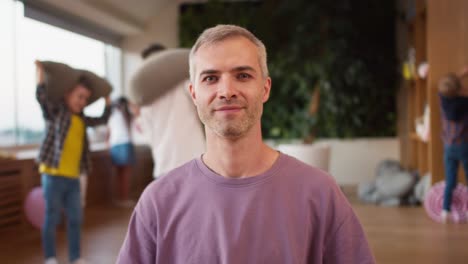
(422, 187)
(392, 186)
(59, 78)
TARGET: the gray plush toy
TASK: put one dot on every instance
(391, 186)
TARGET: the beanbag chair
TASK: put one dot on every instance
(434, 199)
(59, 78)
(158, 74)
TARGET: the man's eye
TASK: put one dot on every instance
(210, 79)
(243, 76)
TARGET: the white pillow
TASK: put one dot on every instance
(159, 74)
(60, 78)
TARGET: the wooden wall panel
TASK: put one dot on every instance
(11, 199)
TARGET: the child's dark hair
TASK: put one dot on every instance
(122, 104)
(83, 81)
(153, 48)
(449, 85)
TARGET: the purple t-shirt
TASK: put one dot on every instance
(292, 213)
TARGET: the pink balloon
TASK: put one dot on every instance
(434, 200)
(34, 207)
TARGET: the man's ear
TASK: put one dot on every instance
(266, 89)
(192, 92)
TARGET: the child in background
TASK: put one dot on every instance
(454, 103)
(121, 148)
(64, 154)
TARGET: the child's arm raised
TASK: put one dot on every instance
(48, 108)
(96, 121)
(461, 75)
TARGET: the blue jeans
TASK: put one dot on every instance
(61, 193)
(453, 155)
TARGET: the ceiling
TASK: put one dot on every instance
(123, 17)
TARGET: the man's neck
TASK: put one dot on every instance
(238, 158)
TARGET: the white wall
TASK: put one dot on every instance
(355, 160)
(163, 29)
(351, 161)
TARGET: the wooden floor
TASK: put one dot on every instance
(407, 235)
(104, 231)
(396, 235)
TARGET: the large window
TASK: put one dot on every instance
(27, 40)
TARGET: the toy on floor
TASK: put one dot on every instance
(434, 200)
(393, 186)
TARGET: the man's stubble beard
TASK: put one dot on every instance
(234, 127)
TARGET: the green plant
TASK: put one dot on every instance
(335, 46)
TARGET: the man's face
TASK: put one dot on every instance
(77, 98)
(228, 87)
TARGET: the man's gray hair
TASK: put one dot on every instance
(222, 32)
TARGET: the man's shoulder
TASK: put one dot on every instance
(316, 185)
(181, 171)
(167, 187)
(305, 172)
(175, 177)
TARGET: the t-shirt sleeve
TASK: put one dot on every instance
(139, 246)
(348, 243)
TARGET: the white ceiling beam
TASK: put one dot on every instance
(100, 14)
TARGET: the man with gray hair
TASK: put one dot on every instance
(241, 201)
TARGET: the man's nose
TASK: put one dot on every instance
(227, 89)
